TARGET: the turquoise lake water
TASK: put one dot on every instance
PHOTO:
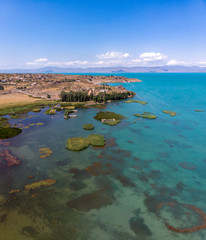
(148, 183)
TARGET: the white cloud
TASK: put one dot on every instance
(38, 61)
(152, 56)
(181, 63)
(41, 60)
(70, 63)
(110, 55)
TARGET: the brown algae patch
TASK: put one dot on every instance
(97, 169)
(190, 218)
(45, 152)
(94, 200)
(40, 184)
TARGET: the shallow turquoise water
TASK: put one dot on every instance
(143, 179)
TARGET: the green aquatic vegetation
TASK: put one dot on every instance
(81, 143)
(100, 106)
(23, 109)
(137, 115)
(4, 122)
(50, 111)
(73, 105)
(96, 140)
(149, 116)
(171, 113)
(40, 184)
(58, 109)
(146, 115)
(111, 122)
(9, 132)
(108, 115)
(36, 110)
(88, 126)
(136, 101)
(77, 143)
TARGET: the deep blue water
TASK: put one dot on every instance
(151, 173)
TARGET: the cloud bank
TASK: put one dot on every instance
(119, 59)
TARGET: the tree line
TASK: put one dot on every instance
(101, 97)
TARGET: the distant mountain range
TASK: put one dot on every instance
(162, 69)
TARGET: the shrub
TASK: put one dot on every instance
(88, 126)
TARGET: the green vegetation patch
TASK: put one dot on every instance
(77, 143)
(110, 122)
(146, 115)
(171, 113)
(96, 140)
(50, 111)
(136, 101)
(108, 115)
(12, 111)
(100, 106)
(88, 126)
(58, 109)
(36, 110)
(81, 143)
(9, 132)
(4, 122)
(109, 118)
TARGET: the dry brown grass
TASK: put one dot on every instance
(14, 99)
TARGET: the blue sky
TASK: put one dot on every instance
(97, 33)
